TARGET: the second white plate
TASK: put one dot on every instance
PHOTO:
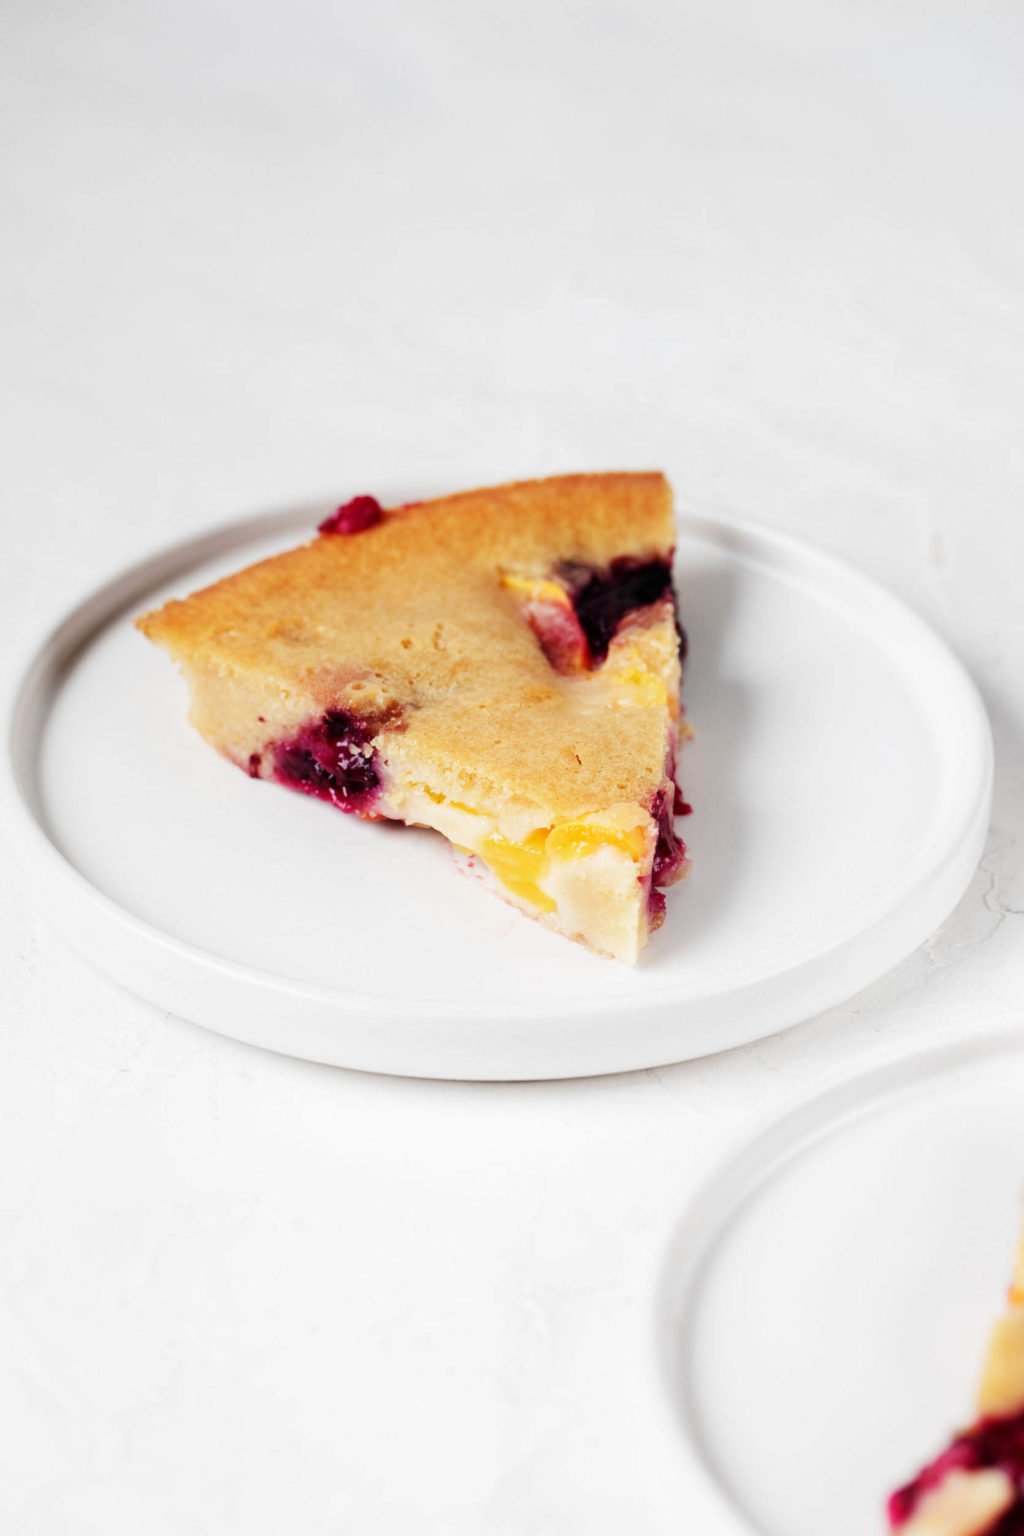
(840, 777)
(829, 1300)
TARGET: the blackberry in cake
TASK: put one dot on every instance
(502, 666)
(976, 1486)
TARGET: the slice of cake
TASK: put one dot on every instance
(976, 1487)
(502, 666)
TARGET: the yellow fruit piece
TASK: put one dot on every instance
(455, 805)
(1017, 1288)
(642, 686)
(536, 589)
(519, 866)
(579, 839)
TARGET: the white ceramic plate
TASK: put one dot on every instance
(827, 1306)
(840, 773)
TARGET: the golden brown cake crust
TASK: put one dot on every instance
(413, 612)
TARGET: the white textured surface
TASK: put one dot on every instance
(256, 253)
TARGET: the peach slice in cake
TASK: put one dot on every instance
(502, 666)
(976, 1486)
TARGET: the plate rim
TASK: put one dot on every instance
(57, 641)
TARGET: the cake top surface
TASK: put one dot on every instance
(420, 614)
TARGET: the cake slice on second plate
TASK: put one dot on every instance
(502, 666)
(976, 1486)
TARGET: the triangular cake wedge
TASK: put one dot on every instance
(976, 1486)
(502, 666)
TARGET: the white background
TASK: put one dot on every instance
(253, 254)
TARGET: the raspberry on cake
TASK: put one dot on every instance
(976, 1486)
(501, 665)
